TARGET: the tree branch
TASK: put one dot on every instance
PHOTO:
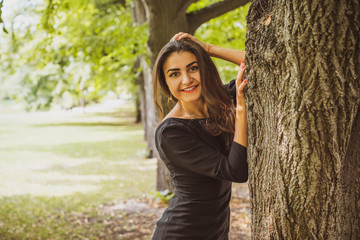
(184, 4)
(196, 18)
(189, 2)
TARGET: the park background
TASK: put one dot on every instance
(80, 163)
(74, 161)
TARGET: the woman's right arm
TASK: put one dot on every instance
(179, 145)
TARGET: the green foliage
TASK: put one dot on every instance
(80, 50)
(163, 196)
(1, 21)
(201, 4)
(101, 35)
(75, 52)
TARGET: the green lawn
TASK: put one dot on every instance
(58, 169)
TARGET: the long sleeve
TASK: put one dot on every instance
(181, 147)
(231, 88)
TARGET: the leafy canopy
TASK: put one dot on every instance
(80, 51)
(72, 52)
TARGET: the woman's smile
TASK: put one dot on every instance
(190, 89)
(182, 74)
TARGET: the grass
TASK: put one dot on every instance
(58, 170)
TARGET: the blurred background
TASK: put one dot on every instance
(75, 157)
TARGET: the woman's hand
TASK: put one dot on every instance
(241, 122)
(240, 87)
(182, 35)
(231, 55)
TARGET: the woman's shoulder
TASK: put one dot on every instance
(178, 127)
(172, 130)
(173, 123)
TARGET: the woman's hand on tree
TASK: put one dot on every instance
(241, 123)
(240, 87)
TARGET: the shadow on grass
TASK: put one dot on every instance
(72, 217)
(119, 118)
(116, 114)
(108, 164)
(86, 124)
(117, 149)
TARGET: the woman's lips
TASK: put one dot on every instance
(190, 89)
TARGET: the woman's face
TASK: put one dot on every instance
(182, 74)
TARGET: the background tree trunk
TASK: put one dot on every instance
(164, 21)
(144, 81)
(303, 68)
(138, 109)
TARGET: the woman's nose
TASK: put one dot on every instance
(186, 79)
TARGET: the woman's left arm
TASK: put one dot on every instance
(231, 55)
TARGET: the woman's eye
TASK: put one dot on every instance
(194, 68)
(174, 74)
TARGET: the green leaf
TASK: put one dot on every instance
(1, 21)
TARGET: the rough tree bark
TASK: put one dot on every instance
(166, 18)
(303, 68)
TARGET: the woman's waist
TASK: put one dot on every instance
(206, 199)
(202, 190)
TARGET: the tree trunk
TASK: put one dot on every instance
(138, 116)
(303, 99)
(144, 81)
(164, 21)
(141, 96)
(150, 109)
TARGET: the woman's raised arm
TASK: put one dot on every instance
(231, 55)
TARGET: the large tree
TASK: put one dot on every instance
(166, 18)
(303, 71)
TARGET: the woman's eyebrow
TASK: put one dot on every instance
(191, 64)
(178, 69)
(173, 69)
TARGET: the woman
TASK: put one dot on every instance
(202, 140)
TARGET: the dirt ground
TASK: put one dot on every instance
(136, 219)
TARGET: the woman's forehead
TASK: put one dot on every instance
(179, 60)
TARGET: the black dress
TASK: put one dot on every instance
(202, 174)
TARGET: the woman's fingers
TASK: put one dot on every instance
(241, 84)
(182, 35)
(179, 36)
(176, 36)
(240, 76)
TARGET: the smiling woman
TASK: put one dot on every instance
(202, 140)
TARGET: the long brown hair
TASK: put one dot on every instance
(219, 105)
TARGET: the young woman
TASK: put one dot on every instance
(202, 140)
